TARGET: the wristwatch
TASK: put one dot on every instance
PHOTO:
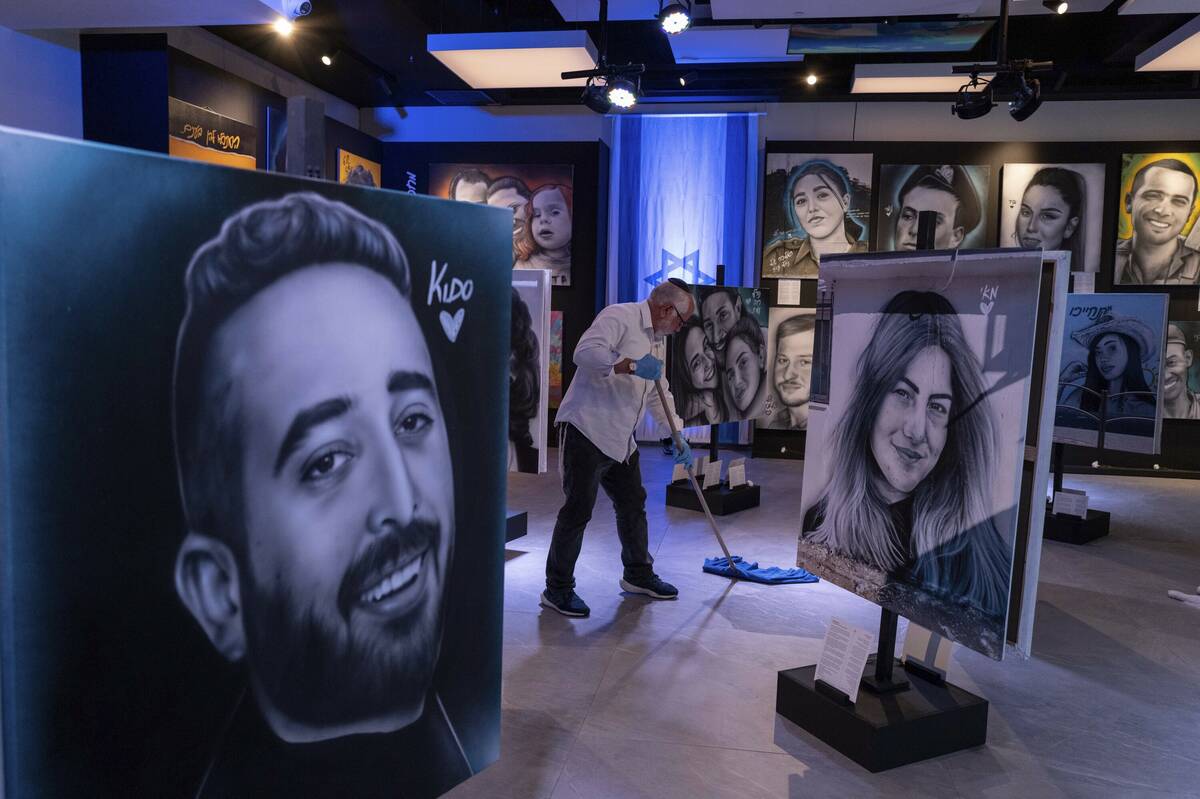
(631, 368)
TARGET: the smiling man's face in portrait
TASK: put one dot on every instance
(348, 501)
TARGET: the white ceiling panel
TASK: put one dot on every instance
(514, 60)
(1160, 7)
(49, 14)
(723, 44)
(823, 9)
(1179, 52)
(907, 79)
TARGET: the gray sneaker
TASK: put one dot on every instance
(566, 602)
(653, 586)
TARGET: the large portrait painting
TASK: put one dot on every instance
(790, 336)
(1181, 372)
(912, 467)
(529, 388)
(1158, 241)
(814, 204)
(1054, 207)
(719, 357)
(540, 197)
(957, 193)
(255, 487)
(1112, 367)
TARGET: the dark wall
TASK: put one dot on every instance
(1180, 439)
(406, 168)
(200, 83)
(124, 90)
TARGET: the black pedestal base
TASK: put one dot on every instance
(1074, 530)
(722, 500)
(882, 731)
(518, 525)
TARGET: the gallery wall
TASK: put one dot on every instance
(1180, 438)
(39, 82)
(406, 168)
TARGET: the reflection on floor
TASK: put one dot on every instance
(676, 699)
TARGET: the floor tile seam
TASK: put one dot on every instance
(582, 723)
(612, 736)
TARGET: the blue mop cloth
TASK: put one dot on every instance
(771, 575)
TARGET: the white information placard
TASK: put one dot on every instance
(1085, 282)
(1071, 502)
(678, 473)
(699, 466)
(787, 292)
(712, 473)
(737, 472)
(844, 656)
(927, 649)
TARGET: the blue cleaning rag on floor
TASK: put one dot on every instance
(770, 575)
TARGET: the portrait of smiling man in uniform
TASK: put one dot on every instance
(316, 474)
(1159, 204)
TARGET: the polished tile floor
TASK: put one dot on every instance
(676, 699)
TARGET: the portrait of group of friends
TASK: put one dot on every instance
(815, 204)
(540, 197)
(718, 368)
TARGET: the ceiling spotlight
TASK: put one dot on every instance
(973, 104)
(327, 60)
(283, 27)
(674, 18)
(622, 93)
(811, 79)
(684, 80)
(595, 97)
(1026, 99)
(1057, 6)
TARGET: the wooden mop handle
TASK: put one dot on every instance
(677, 437)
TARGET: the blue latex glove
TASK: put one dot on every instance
(683, 455)
(648, 367)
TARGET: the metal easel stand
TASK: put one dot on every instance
(1073, 529)
(722, 500)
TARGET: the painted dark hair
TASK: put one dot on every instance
(468, 176)
(1132, 379)
(953, 498)
(1073, 189)
(1173, 164)
(257, 246)
(682, 387)
(834, 177)
(523, 387)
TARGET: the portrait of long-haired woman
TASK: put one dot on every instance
(1051, 214)
(1054, 207)
(912, 461)
(524, 389)
(819, 205)
(1118, 348)
(697, 389)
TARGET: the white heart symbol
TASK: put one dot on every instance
(984, 307)
(452, 324)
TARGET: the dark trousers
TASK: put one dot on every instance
(585, 469)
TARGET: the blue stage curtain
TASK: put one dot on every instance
(686, 189)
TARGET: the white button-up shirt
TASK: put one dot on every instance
(607, 407)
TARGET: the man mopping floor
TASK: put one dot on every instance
(619, 358)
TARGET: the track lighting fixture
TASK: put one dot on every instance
(674, 17)
(1026, 99)
(1057, 6)
(971, 104)
(283, 27)
(684, 80)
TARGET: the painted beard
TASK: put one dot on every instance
(320, 669)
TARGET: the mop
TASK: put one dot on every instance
(731, 566)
